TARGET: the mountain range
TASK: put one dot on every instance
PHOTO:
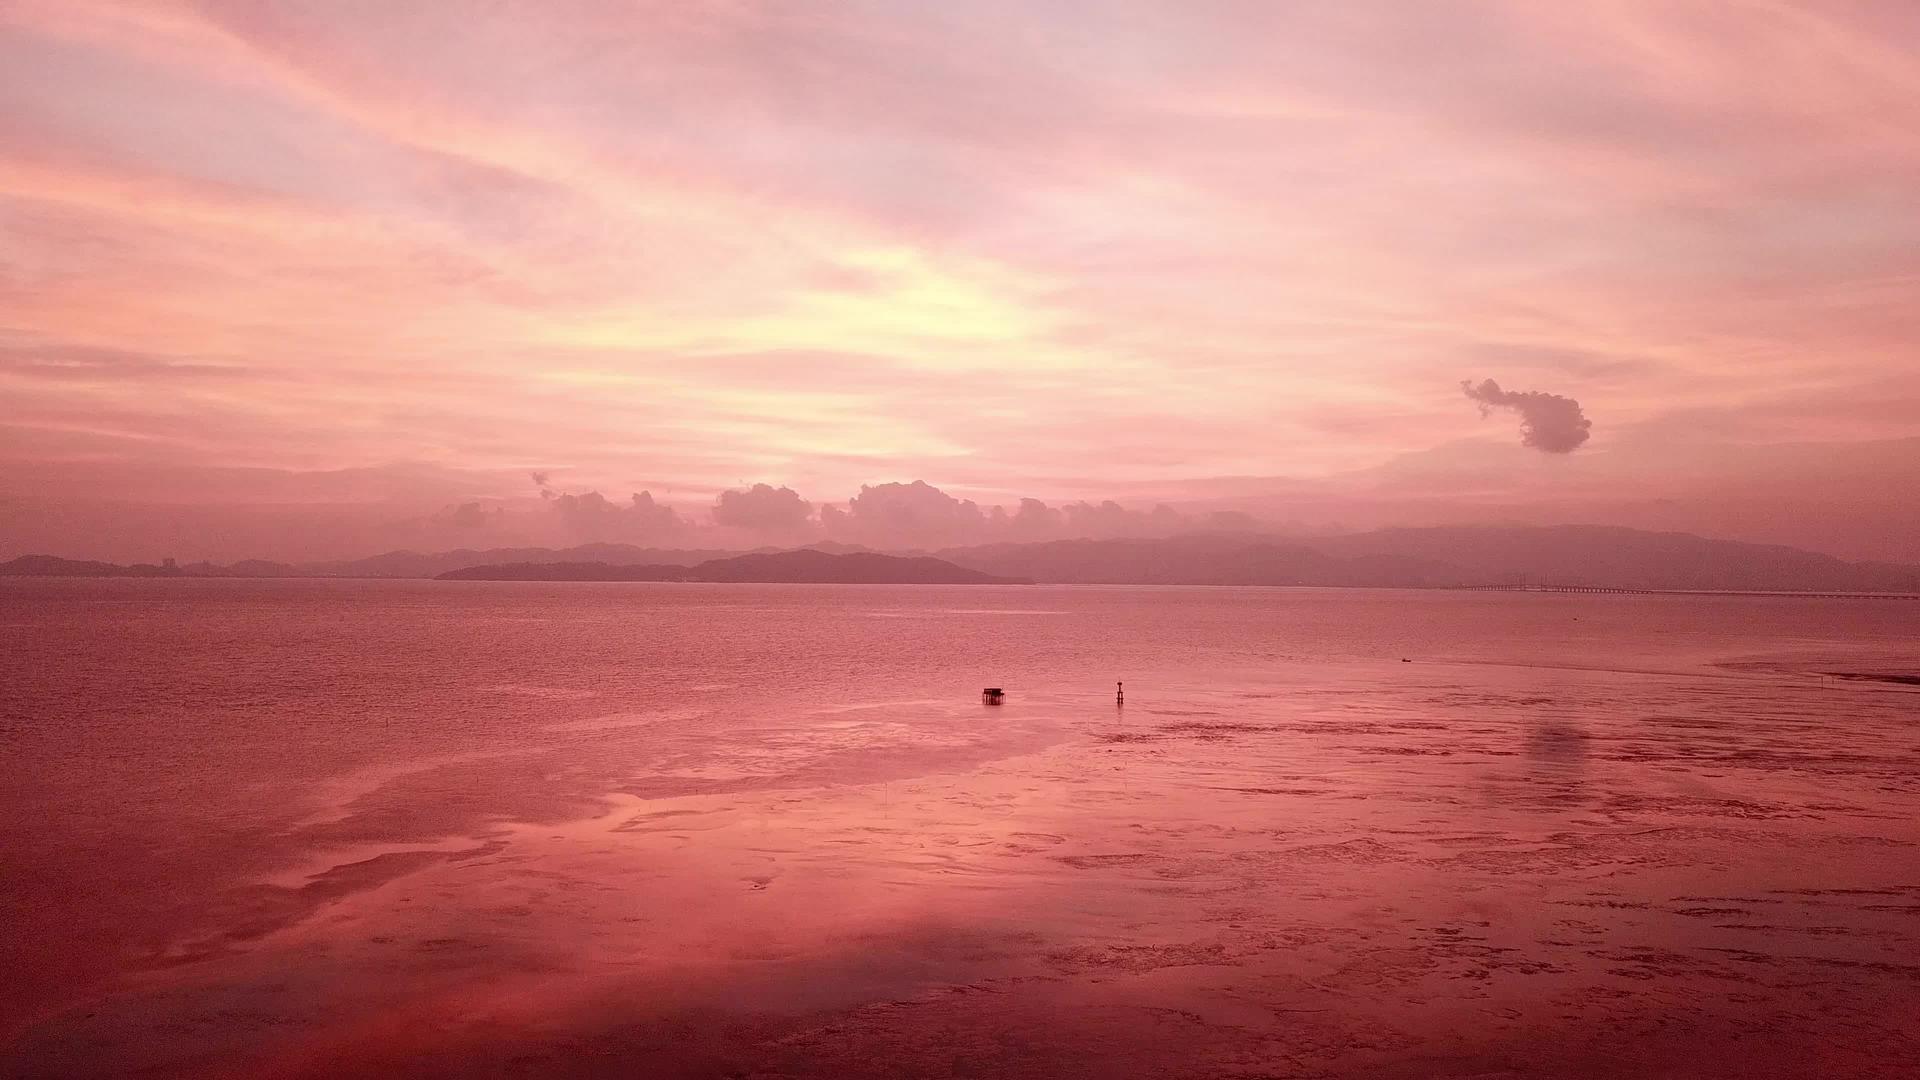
(1594, 555)
(800, 566)
(1449, 556)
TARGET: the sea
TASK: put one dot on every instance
(323, 828)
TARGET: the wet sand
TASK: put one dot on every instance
(1492, 870)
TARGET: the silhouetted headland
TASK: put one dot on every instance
(54, 566)
(804, 566)
(567, 571)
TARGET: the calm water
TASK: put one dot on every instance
(362, 828)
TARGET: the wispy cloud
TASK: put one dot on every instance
(693, 244)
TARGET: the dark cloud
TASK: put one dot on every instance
(1548, 422)
(762, 508)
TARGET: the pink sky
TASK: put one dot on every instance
(301, 279)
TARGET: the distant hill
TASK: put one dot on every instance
(1621, 558)
(53, 566)
(1426, 557)
(854, 568)
(248, 568)
(1447, 556)
(1195, 560)
(786, 567)
(416, 564)
(567, 571)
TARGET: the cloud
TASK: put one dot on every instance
(1548, 422)
(77, 363)
(762, 508)
(908, 515)
(833, 520)
(1034, 520)
(1109, 518)
(467, 515)
(921, 516)
(596, 517)
(1553, 191)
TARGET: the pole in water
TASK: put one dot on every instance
(1119, 693)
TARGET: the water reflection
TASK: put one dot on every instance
(1328, 866)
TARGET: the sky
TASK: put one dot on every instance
(315, 279)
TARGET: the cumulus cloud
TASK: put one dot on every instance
(595, 517)
(1034, 520)
(1548, 422)
(467, 515)
(919, 515)
(910, 515)
(889, 517)
(762, 508)
(1110, 519)
(833, 520)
